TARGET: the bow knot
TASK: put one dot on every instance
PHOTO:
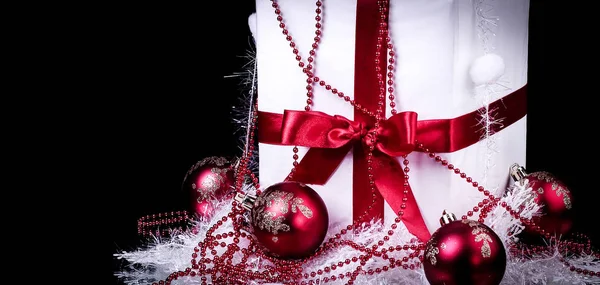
(370, 138)
(360, 131)
(355, 130)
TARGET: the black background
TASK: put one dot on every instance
(167, 105)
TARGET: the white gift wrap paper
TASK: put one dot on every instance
(436, 41)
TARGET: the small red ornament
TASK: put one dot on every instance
(464, 252)
(209, 179)
(552, 195)
(288, 219)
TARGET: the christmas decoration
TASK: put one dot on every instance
(289, 219)
(552, 195)
(222, 251)
(463, 253)
(209, 179)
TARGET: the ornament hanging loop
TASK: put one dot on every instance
(245, 200)
(517, 172)
(447, 218)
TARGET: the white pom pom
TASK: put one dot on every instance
(252, 24)
(487, 69)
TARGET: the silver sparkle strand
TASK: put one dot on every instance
(251, 103)
(243, 110)
(486, 25)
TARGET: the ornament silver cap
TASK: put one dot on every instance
(447, 218)
(517, 172)
(245, 200)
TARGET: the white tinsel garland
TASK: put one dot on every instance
(161, 257)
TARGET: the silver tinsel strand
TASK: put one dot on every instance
(243, 109)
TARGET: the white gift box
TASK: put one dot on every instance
(439, 46)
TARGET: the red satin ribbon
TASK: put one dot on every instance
(331, 137)
(366, 90)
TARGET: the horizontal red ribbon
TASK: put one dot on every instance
(438, 135)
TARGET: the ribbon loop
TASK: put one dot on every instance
(317, 129)
(396, 136)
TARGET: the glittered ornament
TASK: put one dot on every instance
(552, 195)
(289, 219)
(210, 179)
(464, 252)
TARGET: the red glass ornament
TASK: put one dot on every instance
(209, 179)
(464, 252)
(553, 196)
(289, 219)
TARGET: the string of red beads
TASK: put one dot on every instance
(162, 224)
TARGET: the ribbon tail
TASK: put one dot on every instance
(318, 164)
(362, 197)
(389, 179)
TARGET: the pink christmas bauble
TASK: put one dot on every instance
(209, 180)
(289, 220)
(554, 198)
(556, 201)
(464, 253)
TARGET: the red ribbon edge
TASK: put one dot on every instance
(438, 135)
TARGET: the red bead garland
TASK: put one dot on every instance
(223, 271)
(162, 224)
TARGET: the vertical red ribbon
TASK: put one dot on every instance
(365, 92)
